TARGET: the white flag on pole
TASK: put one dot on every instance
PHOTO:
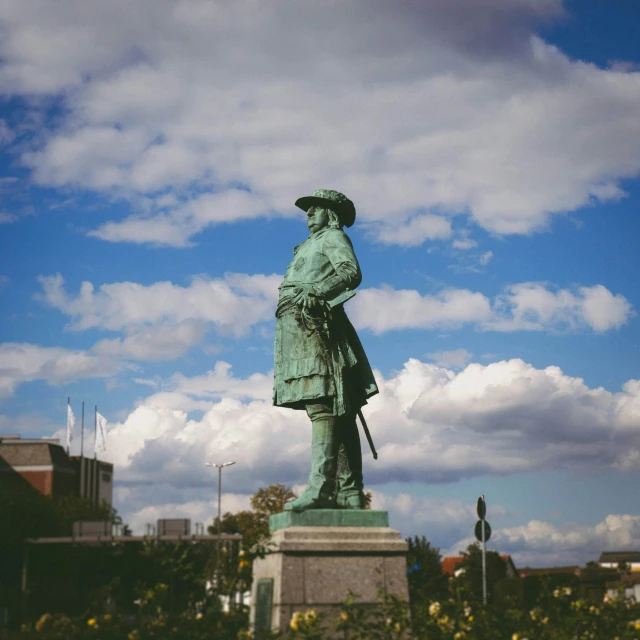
(101, 434)
(71, 422)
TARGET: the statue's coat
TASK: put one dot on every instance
(330, 363)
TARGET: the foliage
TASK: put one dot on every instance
(267, 502)
(472, 570)
(254, 525)
(26, 513)
(557, 615)
(424, 572)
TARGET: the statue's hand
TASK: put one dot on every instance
(309, 300)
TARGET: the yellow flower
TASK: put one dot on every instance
(434, 609)
(107, 617)
(460, 635)
(310, 616)
(42, 622)
(398, 627)
(635, 624)
(91, 622)
(199, 615)
(296, 619)
(134, 635)
(470, 619)
(344, 616)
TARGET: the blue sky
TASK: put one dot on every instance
(147, 181)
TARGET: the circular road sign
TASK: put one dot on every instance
(478, 530)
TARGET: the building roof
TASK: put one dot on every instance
(21, 453)
(451, 563)
(531, 571)
(619, 556)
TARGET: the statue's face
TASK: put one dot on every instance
(317, 218)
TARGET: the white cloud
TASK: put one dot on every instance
(485, 258)
(385, 309)
(415, 231)
(429, 424)
(6, 135)
(532, 306)
(528, 306)
(450, 107)
(7, 218)
(543, 544)
(154, 343)
(24, 362)
(232, 304)
(457, 359)
(204, 511)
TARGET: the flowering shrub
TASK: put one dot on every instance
(198, 621)
(559, 614)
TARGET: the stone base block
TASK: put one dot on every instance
(315, 567)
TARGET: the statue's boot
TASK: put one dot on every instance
(349, 477)
(321, 486)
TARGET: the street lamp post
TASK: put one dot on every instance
(220, 467)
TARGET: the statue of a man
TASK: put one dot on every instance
(320, 365)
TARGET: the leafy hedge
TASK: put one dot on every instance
(557, 615)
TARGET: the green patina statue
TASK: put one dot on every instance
(320, 365)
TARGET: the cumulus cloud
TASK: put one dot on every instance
(232, 304)
(24, 362)
(415, 231)
(533, 306)
(430, 424)
(543, 544)
(457, 359)
(441, 108)
(528, 306)
(385, 309)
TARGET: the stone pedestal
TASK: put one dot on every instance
(318, 556)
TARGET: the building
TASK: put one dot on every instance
(613, 559)
(451, 566)
(45, 465)
(548, 571)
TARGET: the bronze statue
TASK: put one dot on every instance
(320, 365)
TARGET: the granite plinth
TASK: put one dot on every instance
(318, 566)
(329, 518)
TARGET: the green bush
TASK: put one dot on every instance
(558, 615)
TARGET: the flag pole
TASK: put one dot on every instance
(82, 433)
(68, 405)
(95, 433)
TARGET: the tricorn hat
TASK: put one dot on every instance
(344, 208)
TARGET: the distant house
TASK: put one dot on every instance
(545, 571)
(612, 559)
(45, 465)
(451, 566)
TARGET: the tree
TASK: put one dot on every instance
(254, 525)
(424, 571)
(267, 502)
(471, 578)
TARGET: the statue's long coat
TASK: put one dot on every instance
(330, 363)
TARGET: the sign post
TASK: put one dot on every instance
(483, 533)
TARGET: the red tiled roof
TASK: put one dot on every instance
(451, 563)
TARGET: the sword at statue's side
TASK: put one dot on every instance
(366, 433)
